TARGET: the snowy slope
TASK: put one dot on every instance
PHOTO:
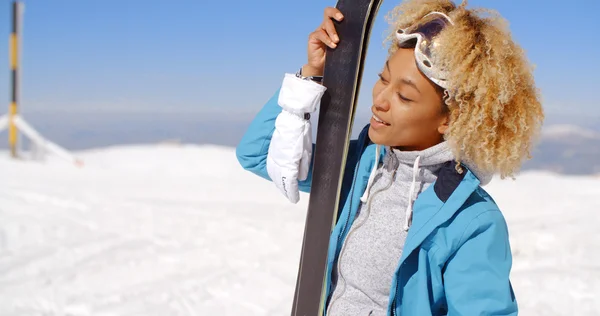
(183, 230)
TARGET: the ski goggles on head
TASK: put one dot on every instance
(424, 32)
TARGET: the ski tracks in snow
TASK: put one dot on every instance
(105, 241)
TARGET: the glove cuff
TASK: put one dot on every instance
(300, 96)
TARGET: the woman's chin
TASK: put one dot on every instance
(377, 138)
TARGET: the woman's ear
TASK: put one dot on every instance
(444, 124)
(445, 121)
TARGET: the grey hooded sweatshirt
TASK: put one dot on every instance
(372, 249)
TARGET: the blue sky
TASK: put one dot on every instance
(191, 55)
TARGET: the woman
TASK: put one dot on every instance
(455, 104)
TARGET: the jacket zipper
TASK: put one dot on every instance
(348, 219)
(351, 195)
(394, 299)
(353, 229)
(350, 206)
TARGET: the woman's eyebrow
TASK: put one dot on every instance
(409, 82)
(405, 81)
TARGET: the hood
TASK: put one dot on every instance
(435, 155)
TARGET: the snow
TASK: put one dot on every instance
(184, 230)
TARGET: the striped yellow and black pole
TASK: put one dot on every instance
(14, 69)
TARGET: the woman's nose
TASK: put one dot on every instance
(381, 102)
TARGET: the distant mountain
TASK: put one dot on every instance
(567, 149)
(567, 146)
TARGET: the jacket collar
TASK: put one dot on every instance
(439, 203)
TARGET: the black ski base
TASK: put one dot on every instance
(342, 77)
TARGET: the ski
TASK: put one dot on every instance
(342, 77)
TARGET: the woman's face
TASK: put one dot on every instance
(409, 104)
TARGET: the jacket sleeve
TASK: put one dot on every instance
(253, 148)
(476, 276)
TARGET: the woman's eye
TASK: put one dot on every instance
(403, 98)
(381, 78)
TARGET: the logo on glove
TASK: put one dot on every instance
(283, 183)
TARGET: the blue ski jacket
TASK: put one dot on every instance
(456, 258)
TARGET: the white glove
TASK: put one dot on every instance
(290, 151)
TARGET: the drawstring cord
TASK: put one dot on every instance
(411, 193)
(409, 207)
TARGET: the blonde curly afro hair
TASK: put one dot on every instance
(494, 107)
